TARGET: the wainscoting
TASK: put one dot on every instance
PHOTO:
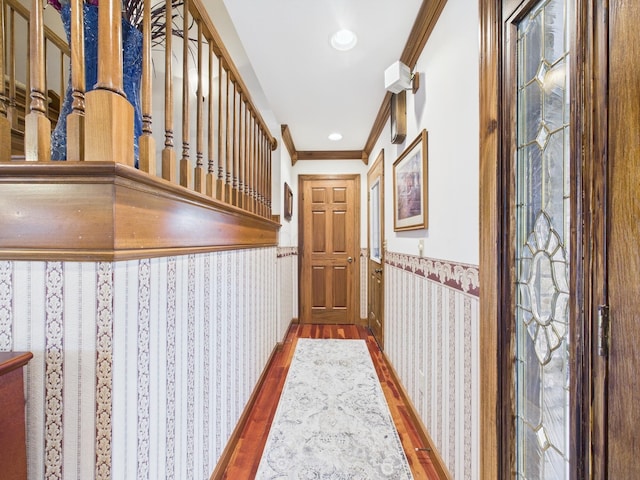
(431, 339)
(141, 368)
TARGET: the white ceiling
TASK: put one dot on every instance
(282, 50)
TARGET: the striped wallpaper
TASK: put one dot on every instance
(431, 339)
(142, 368)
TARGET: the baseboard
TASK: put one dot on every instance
(436, 459)
(225, 458)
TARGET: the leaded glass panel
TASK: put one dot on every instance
(542, 240)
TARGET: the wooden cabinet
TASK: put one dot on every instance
(13, 453)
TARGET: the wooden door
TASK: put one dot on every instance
(375, 261)
(619, 372)
(604, 390)
(330, 243)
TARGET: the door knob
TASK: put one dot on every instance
(349, 259)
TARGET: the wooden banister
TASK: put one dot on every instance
(198, 12)
(99, 128)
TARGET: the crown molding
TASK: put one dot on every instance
(423, 25)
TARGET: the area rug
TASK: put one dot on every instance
(332, 421)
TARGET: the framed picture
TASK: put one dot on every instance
(288, 202)
(410, 186)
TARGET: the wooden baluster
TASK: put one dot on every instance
(199, 171)
(12, 111)
(109, 115)
(239, 202)
(210, 181)
(37, 137)
(260, 197)
(268, 179)
(234, 147)
(75, 119)
(185, 169)
(265, 172)
(63, 76)
(168, 153)
(254, 166)
(228, 166)
(246, 157)
(247, 160)
(220, 184)
(254, 163)
(146, 142)
(5, 124)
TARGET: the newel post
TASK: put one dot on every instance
(109, 115)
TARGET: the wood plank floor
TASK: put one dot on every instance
(246, 457)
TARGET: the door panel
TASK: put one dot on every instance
(375, 262)
(329, 263)
(623, 258)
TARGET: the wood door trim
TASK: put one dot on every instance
(588, 141)
(355, 296)
(377, 164)
(490, 84)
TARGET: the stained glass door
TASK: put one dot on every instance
(542, 229)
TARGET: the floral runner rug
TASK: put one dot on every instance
(332, 421)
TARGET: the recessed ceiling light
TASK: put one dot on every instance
(344, 40)
(335, 136)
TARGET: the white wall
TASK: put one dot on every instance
(447, 106)
(288, 236)
(431, 300)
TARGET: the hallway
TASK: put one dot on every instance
(245, 458)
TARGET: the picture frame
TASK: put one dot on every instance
(410, 186)
(288, 202)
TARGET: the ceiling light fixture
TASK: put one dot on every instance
(344, 40)
(335, 136)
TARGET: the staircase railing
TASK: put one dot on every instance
(15, 81)
(232, 144)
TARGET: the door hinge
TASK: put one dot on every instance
(603, 330)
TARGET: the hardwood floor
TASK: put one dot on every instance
(246, 457)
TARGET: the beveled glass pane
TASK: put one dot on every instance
(541, 250)
(532, 45)
(554, 31)
(553, 97)
(553, 160)
(532, 411)
(554, 408)
(531, 111)
(532, 466)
